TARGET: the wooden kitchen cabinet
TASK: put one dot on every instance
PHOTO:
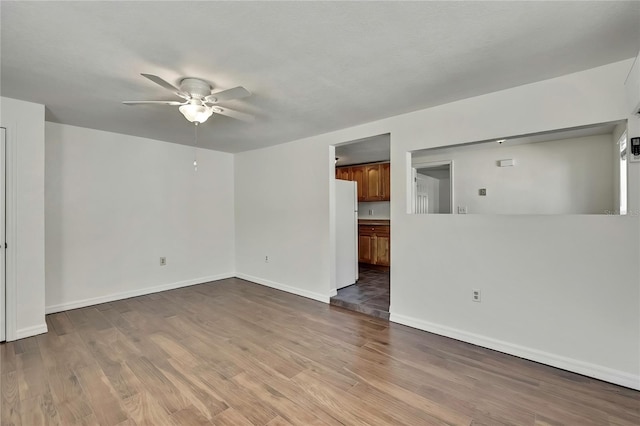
(364, 249)
(374, 180)
(374, 244)
(358, 175)
(373, 183)
(343, 173)
(382, 257)
(385, 177)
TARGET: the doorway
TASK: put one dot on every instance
(433, 188)
(3, 298)
(363, 168)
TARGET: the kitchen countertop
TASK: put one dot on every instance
(373, 222)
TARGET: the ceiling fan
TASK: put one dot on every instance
(199, 103)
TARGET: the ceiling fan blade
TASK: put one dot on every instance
(166, 85)
(174, 103)
(233, 113)
(228, 95)
(161, 82)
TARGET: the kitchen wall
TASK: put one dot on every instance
(569, 176)
(115, 204)
(25, 255)
(561, 289)
(378, 210)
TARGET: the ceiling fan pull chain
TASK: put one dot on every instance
(195, 149)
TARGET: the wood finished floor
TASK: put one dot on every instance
(237, 353)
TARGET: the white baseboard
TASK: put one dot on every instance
(278, 286)
(334, 292)
(587, 369)
(133, 293)
(31, 331)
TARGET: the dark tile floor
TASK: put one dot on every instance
(370, 295)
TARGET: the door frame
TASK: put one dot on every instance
(333, 278)
(3, 230)
(8, 254)
(414, 170)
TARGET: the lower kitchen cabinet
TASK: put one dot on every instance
(374, 242)
(382, 244)
(365, 248)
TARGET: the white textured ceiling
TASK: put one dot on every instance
(368, 150)
(313, 67)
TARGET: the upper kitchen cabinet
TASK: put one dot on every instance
(374, 180)
(385, 176)
(343, 173)
(358, 175)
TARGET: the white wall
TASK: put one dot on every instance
(25, 217)
(569, 176)
(116, 203)
(379, 210)
(563, 290)
(282, 211)
(445, 195)
(632, 86)
(584, 313)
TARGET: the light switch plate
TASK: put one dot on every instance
(633, 145)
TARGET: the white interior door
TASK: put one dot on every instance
(427, 194)
(422, 195)
(2, 234)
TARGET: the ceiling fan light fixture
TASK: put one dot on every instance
(198, 107)
(196, 113)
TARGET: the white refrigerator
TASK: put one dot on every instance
(346, 233)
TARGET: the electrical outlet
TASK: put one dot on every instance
(476, 295)
(462, 209)
(163, 261)
(266, 259)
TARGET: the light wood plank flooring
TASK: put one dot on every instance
(236, 353)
